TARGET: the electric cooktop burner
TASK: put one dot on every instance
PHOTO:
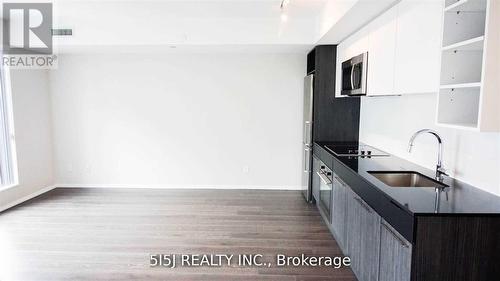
(359, 150)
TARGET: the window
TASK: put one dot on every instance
(8, 175)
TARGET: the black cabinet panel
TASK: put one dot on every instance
(453, 248)
(335, 119)
(311, 61)
(323, 155)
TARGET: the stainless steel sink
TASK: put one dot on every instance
(406, 179)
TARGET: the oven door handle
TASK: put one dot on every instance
(324, 178)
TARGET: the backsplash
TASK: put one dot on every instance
(388, 123)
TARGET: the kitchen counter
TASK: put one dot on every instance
(402, 228)
(459, 198)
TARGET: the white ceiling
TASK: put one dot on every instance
(180, 23)
(353, 18)
(135, 25)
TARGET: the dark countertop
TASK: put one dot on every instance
(459, 199)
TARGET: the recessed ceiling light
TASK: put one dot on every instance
(284, 17)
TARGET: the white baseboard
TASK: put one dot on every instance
(72, 185)
(26, 198)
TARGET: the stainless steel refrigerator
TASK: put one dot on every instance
(307, 138)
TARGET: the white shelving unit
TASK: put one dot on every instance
(467, 83)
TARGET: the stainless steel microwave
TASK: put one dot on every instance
(354, 76)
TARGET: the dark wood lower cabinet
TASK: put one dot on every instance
(363, 238)
(456, 248)
(395, 255)
(339, 194)
(353, 230)
(377, 251)
(370, 241)
(443, 247)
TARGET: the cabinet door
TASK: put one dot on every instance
(382, 53)
(353, 231)
(358, 43)
(339, 210)
(315, 178)
(418, 44)
(363, 238)
(370, 242)
(395, 255)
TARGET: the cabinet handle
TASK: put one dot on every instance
(393, 233)
(307, 156)
(363, 204)
(352, 78)
(340, 180)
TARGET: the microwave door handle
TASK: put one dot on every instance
(352, 77)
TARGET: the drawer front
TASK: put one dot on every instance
(323, 155)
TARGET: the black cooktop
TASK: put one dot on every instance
(355, 150)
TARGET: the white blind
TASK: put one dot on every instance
(6, 165)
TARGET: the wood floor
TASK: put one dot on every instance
(109, 234)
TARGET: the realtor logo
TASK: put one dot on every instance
(27, 28)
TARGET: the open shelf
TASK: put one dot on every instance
(468, 94)
(460, 26)
(463, 126)
(461, 67)
(459, 106)
(465, 6)
(474, 44)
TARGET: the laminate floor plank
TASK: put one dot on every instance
(109, 234)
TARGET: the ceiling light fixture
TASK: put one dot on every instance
(284, 3)
(284, 16)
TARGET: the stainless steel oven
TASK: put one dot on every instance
(354, 75)
(325, 189)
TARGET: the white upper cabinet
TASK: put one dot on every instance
(359, 43)
(381, 50)
(404, 47)
(418, 47)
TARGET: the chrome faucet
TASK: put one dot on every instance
(440, 171)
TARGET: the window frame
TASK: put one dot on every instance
(8, 159)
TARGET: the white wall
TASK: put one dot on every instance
(178, 120)
(389, 122)
(33, 131)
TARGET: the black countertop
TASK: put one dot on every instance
(460, 198)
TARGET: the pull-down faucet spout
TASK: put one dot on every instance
(440, 171)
